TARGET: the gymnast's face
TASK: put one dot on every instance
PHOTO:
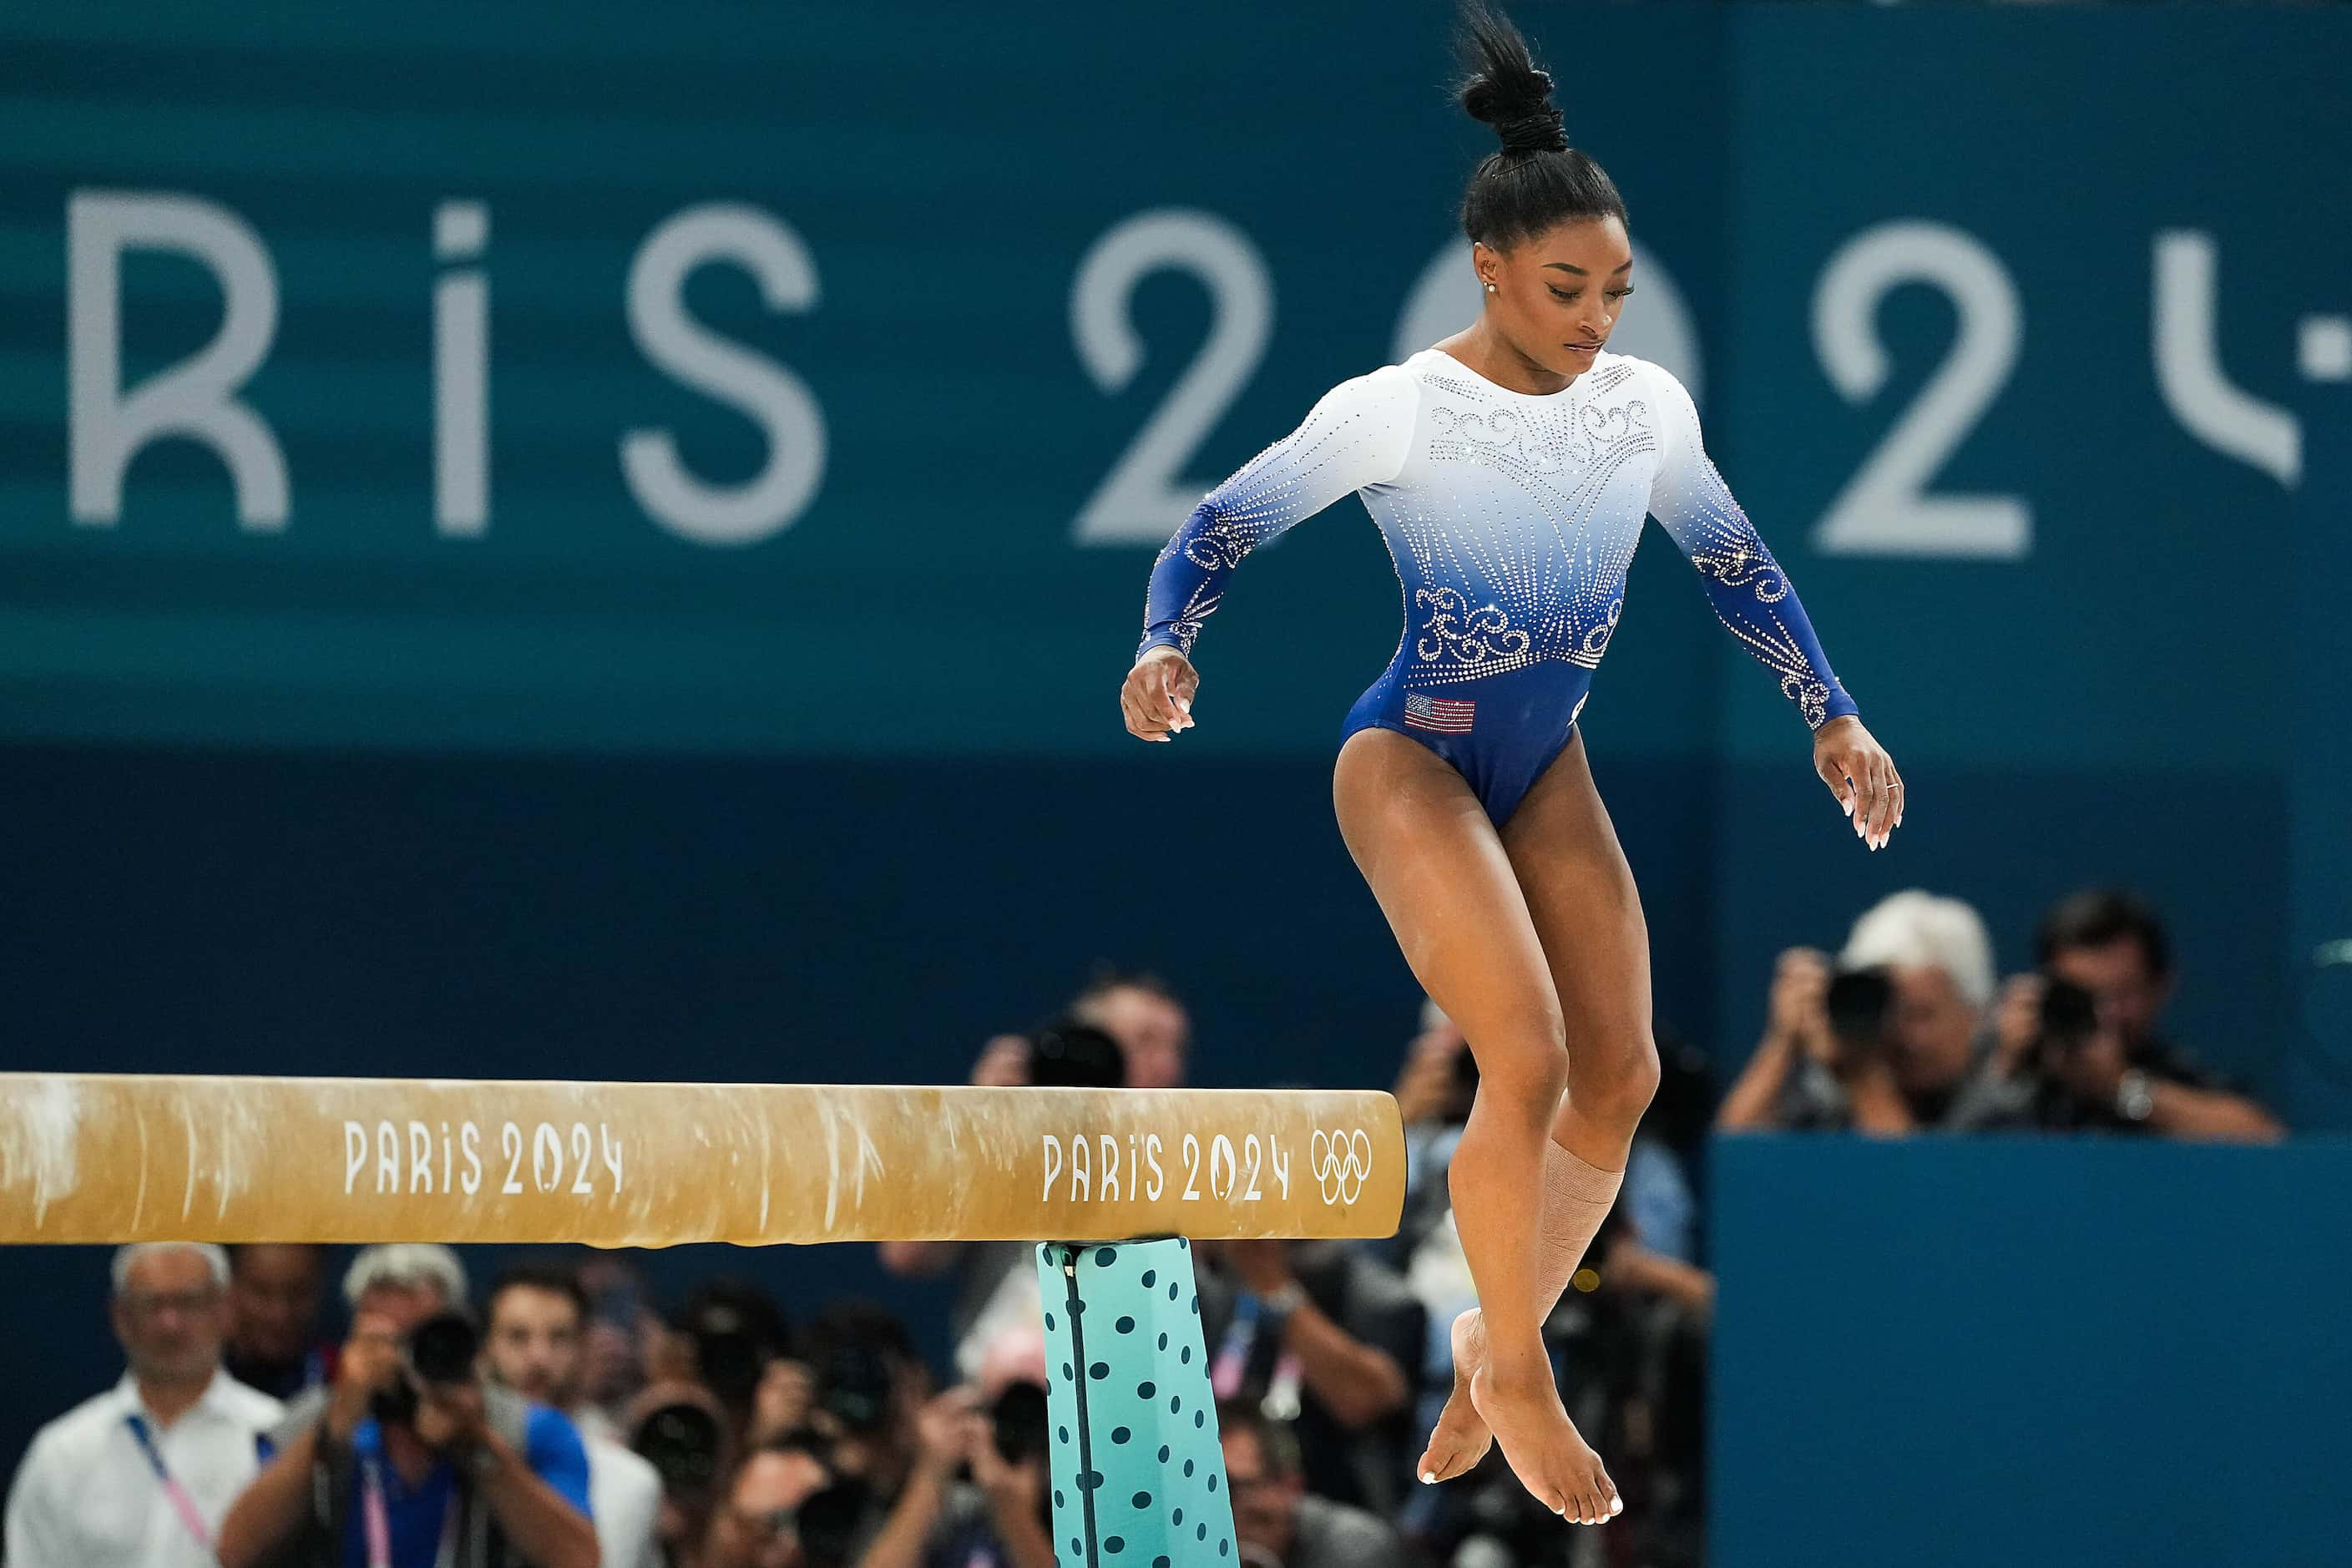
(1557, 294)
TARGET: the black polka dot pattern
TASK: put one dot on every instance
(1133, 1480)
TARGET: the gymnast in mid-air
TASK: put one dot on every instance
(1510, 469)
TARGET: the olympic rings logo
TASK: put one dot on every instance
(1340, 1162)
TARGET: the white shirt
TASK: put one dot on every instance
(624, 1503)
(88, 1497)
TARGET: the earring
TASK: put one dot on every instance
(1490, 288)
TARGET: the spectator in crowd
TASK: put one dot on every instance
(1142, 1012)
(682, 1431)
(533, 1341)
(432, 1449)
(2102, 1066)
(1282, 1524)
(999, 1517)
(737, 1331)
(760, 1522)
(274, 1339)
(620, 1322)
(996, 1281)
(870, 1388)
(1327, 1339)
(1902, 1066)
(143, 1473)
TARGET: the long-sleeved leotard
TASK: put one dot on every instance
(1511, 517)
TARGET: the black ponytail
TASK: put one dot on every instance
(1536, 180)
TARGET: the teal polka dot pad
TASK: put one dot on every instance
(1139, 1479)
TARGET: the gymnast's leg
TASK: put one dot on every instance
(1441, 875)
(1588, 915)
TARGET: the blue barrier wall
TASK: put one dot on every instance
(2069, 1354)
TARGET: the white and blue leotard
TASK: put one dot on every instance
(1511, 517)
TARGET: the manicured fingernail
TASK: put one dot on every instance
(1429, 1478)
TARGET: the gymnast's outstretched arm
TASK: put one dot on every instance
(1754, 598)
(1752, 594)
(1357, 434)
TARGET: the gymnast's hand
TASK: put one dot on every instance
(1158, 697)
(1862, 776)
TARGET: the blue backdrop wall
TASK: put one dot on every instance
(1906, 1327)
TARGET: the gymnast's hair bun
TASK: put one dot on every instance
(1504, 89)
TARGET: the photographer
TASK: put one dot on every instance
(682, 1431)
(740, 1342)
(1278, 1524)
(996, 1281)
(2077, 1042)
(534, 1320)
(783, 1509)
(1886, 1040)
(411, 1448)
(976, 1494)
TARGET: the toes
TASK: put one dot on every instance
(1453, 1459)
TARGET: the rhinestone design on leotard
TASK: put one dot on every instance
(1511, 520)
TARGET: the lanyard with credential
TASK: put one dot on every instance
(375, 1518)
(177, 1495)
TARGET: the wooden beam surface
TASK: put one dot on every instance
(117, 1158)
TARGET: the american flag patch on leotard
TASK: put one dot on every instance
(1449, 715)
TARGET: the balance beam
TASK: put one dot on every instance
(107, 1158)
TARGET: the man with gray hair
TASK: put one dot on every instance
(1886, 1038)
(144, 1472)
(442, 1469)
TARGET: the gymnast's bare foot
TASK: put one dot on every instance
(1460, 1439)
(1522, 1408)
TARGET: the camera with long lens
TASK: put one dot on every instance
(1857, 1004)
(682, 1442)
(832, 1524)
(1019, 1422)
(1067, 1054)
(2070, 1017)
(857, 1385)
(440, 1350)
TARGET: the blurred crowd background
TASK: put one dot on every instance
(720, 1419)
(600, 541)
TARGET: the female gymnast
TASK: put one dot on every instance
(1510, 469)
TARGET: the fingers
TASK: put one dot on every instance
(1833, 776)
(1176, 692)
(1889, 800)
(1157, 697)
(1135, 709)
(1869, 791)
(1868, 795)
